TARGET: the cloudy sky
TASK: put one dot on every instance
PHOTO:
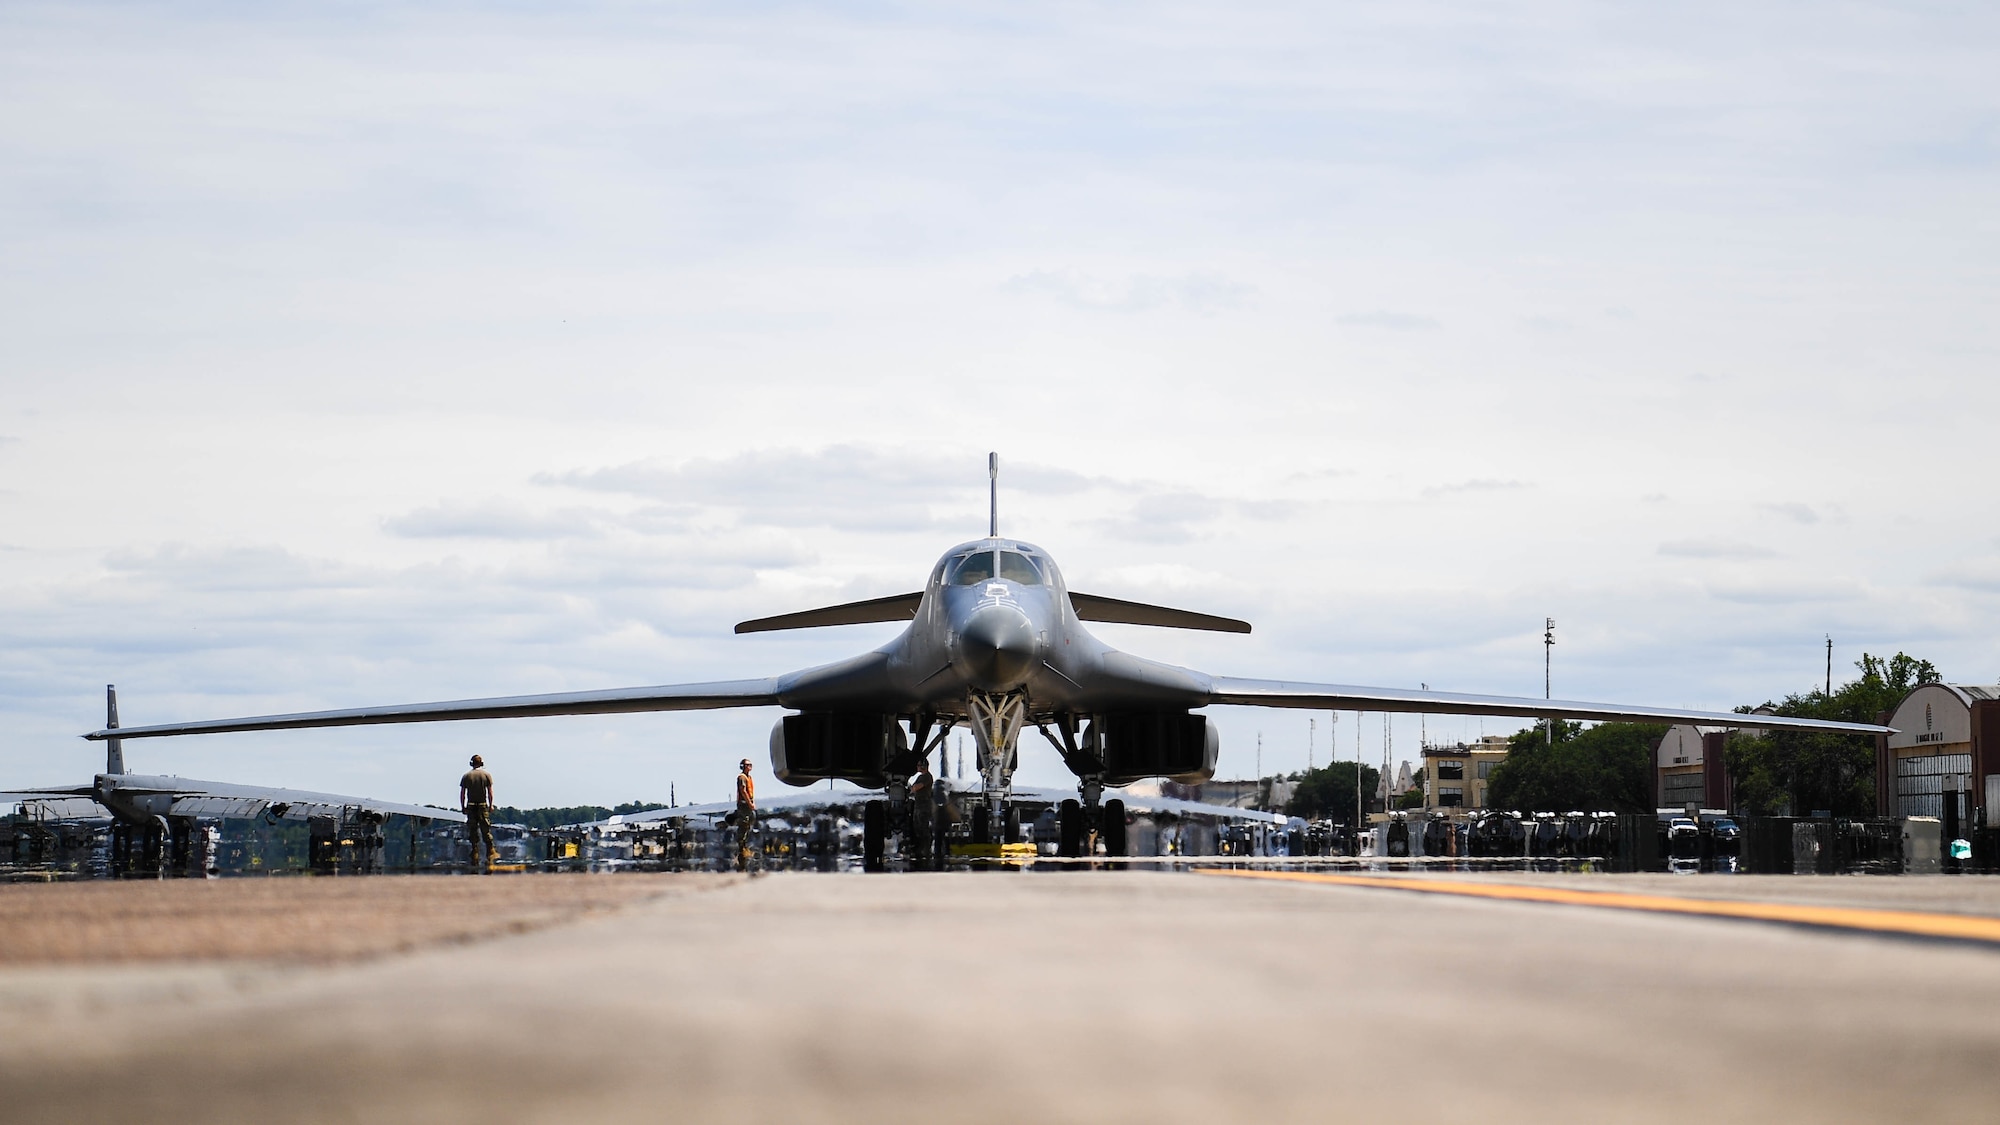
(363, 354)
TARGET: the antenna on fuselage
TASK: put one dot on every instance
(993, 496)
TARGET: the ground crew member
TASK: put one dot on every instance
(475, 800)
(746, 813)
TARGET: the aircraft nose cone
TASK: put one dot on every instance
(997, 647)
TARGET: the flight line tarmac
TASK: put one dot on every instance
(1064, 996)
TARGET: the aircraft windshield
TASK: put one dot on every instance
(973, 569)
(1016, 567)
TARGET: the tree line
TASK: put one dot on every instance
(1610, 767)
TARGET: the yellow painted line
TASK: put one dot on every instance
(1909, 923)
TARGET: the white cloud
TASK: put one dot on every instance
(1397, 322)
(1193, 292)
(1715, 549)
(1792, 510)
(494, 519)
(1476, 486)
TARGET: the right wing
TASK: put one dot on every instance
(617, 701)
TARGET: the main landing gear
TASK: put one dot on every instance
(1088, 823)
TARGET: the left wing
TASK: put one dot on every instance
(617, 701)
(1343, 697)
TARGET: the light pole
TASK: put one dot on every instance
(1548, 658)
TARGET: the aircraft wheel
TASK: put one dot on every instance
(1069, 823)
(875, 836)
(982, 825)
(1114, 827)
(1013, 825)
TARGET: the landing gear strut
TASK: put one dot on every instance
(996, 732)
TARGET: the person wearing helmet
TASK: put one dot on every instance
(746, 813)
(475, 800)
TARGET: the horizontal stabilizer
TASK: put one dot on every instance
(900, 607)
(1090, 607)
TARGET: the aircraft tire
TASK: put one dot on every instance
(1069, 824)
(1013, 825)
(875, 836)
(1114, 827)
(982, 825)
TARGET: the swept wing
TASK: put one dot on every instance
(616, 701)
(1346, 697)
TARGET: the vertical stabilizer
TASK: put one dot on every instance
(114, 748)
(993, 496)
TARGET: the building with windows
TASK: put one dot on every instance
(1944, 759)
(1456, 777)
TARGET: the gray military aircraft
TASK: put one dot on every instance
(995, 642)
(154, 815)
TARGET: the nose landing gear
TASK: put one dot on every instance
(996, 732)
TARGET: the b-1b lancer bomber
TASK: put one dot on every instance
(995, 642)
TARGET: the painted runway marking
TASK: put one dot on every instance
(1905, 923)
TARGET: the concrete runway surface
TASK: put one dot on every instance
(1069, 996)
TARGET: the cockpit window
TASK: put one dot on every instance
(973, 569)
(1016, 567)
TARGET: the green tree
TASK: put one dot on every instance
(1327, 793)
(1800, 772)
(575, 814)
(1608, 768)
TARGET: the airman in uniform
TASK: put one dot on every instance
(746, 813)
(475, 800)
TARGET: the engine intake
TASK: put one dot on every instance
(1171, 744)
(820, 745)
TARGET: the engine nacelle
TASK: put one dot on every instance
(851, 746)
(1171, 744)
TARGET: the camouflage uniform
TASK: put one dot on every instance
(746, 818)
(478, 786)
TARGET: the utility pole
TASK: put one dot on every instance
(1259, 798)
(1312, 728)
(1423, 728)
(1382, 782)
(1829, 665)
(1548, 659)
(1357, 783)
